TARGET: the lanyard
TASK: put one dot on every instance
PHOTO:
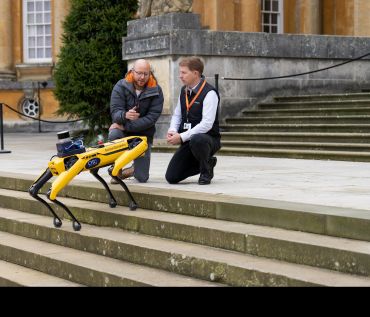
(188, 106)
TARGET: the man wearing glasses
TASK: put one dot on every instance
(135, 106)
(195, 126)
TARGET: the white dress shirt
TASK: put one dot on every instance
(209, 112)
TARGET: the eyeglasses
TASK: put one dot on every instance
(141, 74)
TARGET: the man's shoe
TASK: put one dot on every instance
(123, 174)
(205, 178)
(127, 172)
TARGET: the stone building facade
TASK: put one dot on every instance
(31, 30)
(330, 17)
(30, 41)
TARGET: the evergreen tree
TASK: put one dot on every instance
(90, 61)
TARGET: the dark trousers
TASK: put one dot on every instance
(192, 158)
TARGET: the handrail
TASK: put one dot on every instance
(295, 75)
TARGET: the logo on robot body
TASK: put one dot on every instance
(88, 156)
(92, 163)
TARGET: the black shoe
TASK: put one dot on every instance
(205, 178)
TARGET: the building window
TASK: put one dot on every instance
(272, 16)
(37, 31)
(30, 107)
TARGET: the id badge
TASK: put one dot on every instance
(187, 126)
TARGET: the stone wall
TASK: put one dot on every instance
(165, 39)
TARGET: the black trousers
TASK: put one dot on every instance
(192, 158)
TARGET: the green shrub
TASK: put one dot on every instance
(90, 60)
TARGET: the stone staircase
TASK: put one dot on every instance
(334, 127)
(178, 238)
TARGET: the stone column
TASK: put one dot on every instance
(17, 32)
(345, 17)
(339, 17)
(208, 14)
(60, 11)
(225, 15)
(218, 15)
(6, 40)
(310, 17)
(250, 16)
(303, 16)
(362, 21)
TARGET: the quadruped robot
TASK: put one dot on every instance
(73, 158)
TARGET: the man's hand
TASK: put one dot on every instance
(132, 115)
(173, 138)
(170, 134)
(116, 126)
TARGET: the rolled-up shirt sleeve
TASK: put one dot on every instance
(209, 112)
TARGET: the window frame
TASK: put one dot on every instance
(280, 17)
(26, 35)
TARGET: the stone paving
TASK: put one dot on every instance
(330, 183)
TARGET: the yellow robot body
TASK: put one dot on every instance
(73, 159)
(117, 152)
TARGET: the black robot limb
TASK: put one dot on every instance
(34, 190)
(112, 200)
(132, 203)
(75, 223)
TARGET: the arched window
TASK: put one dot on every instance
(272, 16)
(37, 41)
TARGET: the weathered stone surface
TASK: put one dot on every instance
(286, 215)
(13, 85)
(105, 245)
(214, 43)
(251, 56)
(162, 24)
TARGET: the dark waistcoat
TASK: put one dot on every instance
(194, 116)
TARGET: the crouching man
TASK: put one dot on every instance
(195, 126)
(136, 104)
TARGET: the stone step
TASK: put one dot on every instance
(283, 152)
(318, 119)
(351, 147)
(296, 137)
(329, 97)
(84, 267)
(298, 154)
(296, 247)
(333, 128)
(17, 275)
(59, 257)
(298, 121)
(299, 104)
(331, 221)
(306, 112)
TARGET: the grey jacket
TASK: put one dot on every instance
(150, 105)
